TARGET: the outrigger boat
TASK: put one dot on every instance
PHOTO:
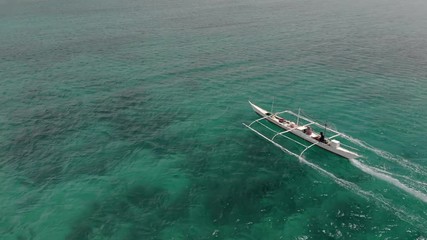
(302, 131)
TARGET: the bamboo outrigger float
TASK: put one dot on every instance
(302, 131)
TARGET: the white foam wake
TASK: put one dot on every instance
(388, 156)
(400, 212)
(383, 176)
(407, 179)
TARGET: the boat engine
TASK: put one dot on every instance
(335, 143)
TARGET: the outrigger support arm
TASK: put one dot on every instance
(277, 133)
(310, 121)
(281, 133)
(268, 139)
(278, 145)
(307, 148)
(336, 135)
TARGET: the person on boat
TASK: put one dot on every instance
(308, 131)
(281, 120)
(322, 138)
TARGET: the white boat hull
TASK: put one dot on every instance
(296, 130)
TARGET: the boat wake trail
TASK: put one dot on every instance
(402, 213)
(386, 176)
(413, 187)
(407, 179)
(388, 156)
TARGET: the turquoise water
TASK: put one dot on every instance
(122, 119)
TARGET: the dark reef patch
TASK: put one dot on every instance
(54, 142)
(143, 212)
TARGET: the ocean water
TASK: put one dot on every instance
(123, 119)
